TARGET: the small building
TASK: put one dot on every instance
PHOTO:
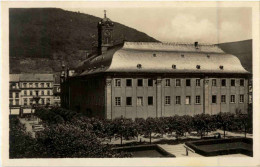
(142, 79)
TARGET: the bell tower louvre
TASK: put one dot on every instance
(105, 34)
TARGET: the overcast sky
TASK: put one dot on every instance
(174, 24)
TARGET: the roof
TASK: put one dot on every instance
(242, 50)
(31, 77)
(14, 77)
(155, 57)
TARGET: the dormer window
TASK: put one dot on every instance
(221, 67)
(198, 66)
(173, 66)
(139, 66)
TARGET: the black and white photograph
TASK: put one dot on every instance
(130, 80)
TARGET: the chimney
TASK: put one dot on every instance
(196, 44)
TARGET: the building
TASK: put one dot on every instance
(29, 89)
(14, 93)
(56, 90)
(142, 79)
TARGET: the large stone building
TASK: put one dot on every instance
(142, 79)
(29, 89)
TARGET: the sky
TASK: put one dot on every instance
(179, 24)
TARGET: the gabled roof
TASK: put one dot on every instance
(155, 57)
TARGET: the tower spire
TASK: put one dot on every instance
(105, 15)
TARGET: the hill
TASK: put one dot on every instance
(241, 49)
(41, 38)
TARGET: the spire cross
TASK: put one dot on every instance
(105, 15)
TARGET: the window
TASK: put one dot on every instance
(223, 82)
(42, 92)
(197, 99)
(48, 92)
(30, 85)
(223, 98)
(241, 82)
(178, 82)
(150, 82)
(16, 101)
(167, 100)
(48, 85)
(139, 101)
(232, 83)
(128, 82)
(178, 100)
(197, 82)
(139, 82)
(128, 101)
(25, 102)
(48, 101)
(31, 93)
(150, 100)
(11, 102)
(36, 85)
(167, 82)
(118, 82)
(37, 93)
(118, 101)
(187, 82)
(187, 100)
(31, 101)
(11, 95)
(214, 82)
(232, 99)
(16, 95)
(42, 85)
(25, 92)
(24, 85)
(241, 98)
(42, 101)
(214, 99)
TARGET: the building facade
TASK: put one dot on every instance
(56, 90)
(31, 89)
(142, 79)
(14, 93)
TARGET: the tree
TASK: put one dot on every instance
(124, 128)
(67, 140)
(225, 121)
(21, 143)
(200, 124)
(150, 127)
(244, 122)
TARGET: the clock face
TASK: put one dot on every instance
(107, 33)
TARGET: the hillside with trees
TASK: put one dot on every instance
(41, 38)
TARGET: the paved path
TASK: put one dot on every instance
(178, 150)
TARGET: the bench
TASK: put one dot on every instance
(188, 149)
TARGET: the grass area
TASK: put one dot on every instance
(223, 146)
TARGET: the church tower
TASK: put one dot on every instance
(105, 34)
